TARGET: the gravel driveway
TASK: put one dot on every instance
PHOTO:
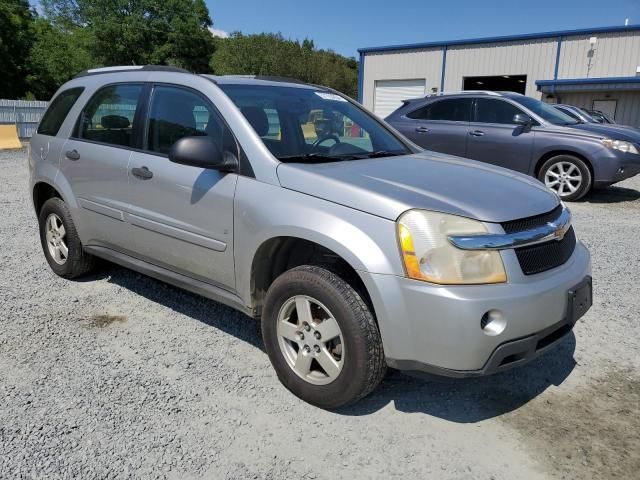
(119, 376)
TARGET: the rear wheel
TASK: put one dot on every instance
(566, 175)
(321, 338)
(60, 242)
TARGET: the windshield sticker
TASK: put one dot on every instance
(330, 96)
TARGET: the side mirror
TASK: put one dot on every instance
(522, 119)
(204, 152)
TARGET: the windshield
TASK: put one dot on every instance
(301, 124)
(546, 111)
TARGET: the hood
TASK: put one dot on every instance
(387, 187)
(614, 132)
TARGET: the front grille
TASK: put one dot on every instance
(545, 256)
(532, 222)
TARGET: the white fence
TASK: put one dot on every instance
(25, 114)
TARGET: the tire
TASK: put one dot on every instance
(357, 350)
(577, 180)
(75, 262)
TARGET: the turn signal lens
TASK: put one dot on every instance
(428, 255)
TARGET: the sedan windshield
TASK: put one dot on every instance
(307, 124)
(546, 111)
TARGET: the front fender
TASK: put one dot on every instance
(263, 211)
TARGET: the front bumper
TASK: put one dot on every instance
(438, 329)
(614, 167)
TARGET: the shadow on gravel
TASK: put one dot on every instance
(474, 399)
(195, 306)
(612, 195)
(457, 400)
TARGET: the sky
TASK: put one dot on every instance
(346, 25)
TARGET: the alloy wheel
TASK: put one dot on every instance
(310, 340)
(56, 239)
(564, 178)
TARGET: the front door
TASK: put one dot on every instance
(440, 126)
(94, 161)
(494, 138)
(182, 216)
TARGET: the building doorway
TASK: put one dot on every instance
(497, 83)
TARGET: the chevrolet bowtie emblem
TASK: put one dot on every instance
(560, 230)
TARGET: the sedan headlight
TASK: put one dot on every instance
(428, 255)
(626, 147)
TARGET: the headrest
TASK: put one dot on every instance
(257, 118)
(115, 121)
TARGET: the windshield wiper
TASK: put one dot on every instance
(313, 157)
(383, 153)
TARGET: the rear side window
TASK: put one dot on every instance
(108, 117)
(177, 113)
(453, 110)
(495, 111)
(57, 111)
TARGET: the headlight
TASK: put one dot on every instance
(429, 256)
(626, 147)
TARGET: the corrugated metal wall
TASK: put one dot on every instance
(404, 65)
(628, 106)
(25, 114)
(614, 55)
(533, 58)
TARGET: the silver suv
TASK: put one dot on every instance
(293, 204)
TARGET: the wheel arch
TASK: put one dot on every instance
(554, 153)
(279, 254)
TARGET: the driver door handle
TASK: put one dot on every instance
(72, 154)
(422, 129)
(143, 173)
(476, 133)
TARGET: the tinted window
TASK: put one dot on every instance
(544, 110)
(176, 113)
(57, 111)
(454, 109)
(495, 111)
(108, 117)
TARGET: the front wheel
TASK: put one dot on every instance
(566, 175)
(321, 338)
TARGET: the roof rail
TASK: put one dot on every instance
(129, 68)
(466, 92)
(268, 78)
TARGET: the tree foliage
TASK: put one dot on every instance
(272, 54)
(15, 43)
(38, 53)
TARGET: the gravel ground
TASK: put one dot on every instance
(120, 376)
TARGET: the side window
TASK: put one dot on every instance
(176, 113)
(495, 111)
(453, 110)
(108, 117)
(57, 111)
(566, 111)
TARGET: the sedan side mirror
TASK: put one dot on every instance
(204, 152)
(522, 119)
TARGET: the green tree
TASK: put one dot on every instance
(139, 32)
(56, 56)
(272, 54)
(15, 41)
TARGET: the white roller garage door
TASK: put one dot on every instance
(390, 93)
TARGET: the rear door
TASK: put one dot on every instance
(440, 126)
(494, 137)
(182, 216)
(95, 159)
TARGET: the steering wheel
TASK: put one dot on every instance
(331, 136)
